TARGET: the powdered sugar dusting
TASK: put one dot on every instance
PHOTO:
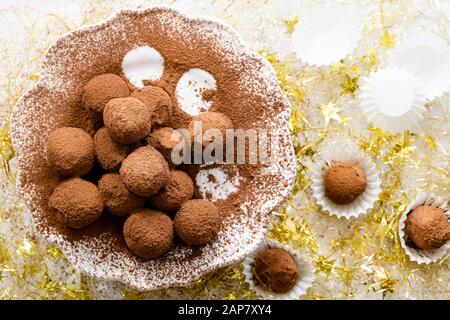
(65, 70)
(214, 184)
(142, 63)
(189, 90)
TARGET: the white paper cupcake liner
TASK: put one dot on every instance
(305, 268)
(392, 99)
(344, 150)
(427, 56)
(327, 34)
(415, 254)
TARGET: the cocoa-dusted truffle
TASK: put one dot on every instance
(197, 222)
(179, 189)
(344, 182)
(102, 88)
(77, 201)
(276, 269)
(164, 140)
(210, 120)
(148, 233)
(109, 152)
(119, 200)
(144, 171)
(158, 102)
(128, 120)
(428, 227)
(70, 151)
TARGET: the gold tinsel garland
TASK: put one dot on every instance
(357, 258)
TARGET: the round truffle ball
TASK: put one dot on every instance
(148, 233)
(344, 182)
(70, 151)
(144, 171)
(209, 120)
(109, 152)
(119, 200)
(78, 202)
(428, 227)
(197, 222)
(276, 269)
(158, 102)
(165, 140)
(127, 119)
(178, 190)
(102, 88)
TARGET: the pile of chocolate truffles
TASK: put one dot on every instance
(140, 181)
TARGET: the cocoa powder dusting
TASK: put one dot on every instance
(247, 93)
(109, 152)
(128, 120)
(158, 102)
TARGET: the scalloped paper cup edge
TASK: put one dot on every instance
(345, 150)
(409, 120)
(304, 282)
(419, 255)
(301, 33)
(420, 38)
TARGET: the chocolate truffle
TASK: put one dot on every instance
(276, 269)
(164, 140)
(158, 102)
(128, 120)
(109, 152)
(428, 227)
(144, 171)
(148, 233)
(344, 182)
(210, 120)
(197, 222)
(119, 200)
(179, 189)
(70, 151)
(102, 88)
(77, 201)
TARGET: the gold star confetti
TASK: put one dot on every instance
(349, 85)
(359, 257)
(387, 40)
(331, 112)
(290, 24)
(33, 77)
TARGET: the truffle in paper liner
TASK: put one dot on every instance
(344, 150)
(326, 34)
(422, 256)
(427, 56)
(305, 279)
(392, 99)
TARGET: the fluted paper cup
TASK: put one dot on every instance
(422, 256)
(344, 150)
(305, 268)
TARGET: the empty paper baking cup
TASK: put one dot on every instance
(427, 56)
(392, 100)
(327, 34)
